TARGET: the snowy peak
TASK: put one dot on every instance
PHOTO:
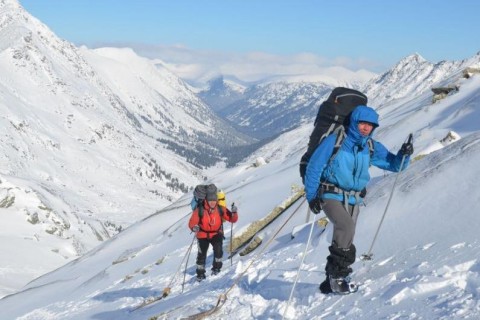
(221, 93)
(101, 137)
(411, 76)
(10, 6)
(220, 84)
(413, 59)
(34, 50)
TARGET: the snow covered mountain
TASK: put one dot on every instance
(96, 139)
(412, 76)
(269, 109)
(425, 263)
(222, 92)
(278, 104)
(92, 141)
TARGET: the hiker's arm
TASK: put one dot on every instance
(194, 219)
(317, 164)
(386, 160)
(230, 216)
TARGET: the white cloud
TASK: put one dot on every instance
(199, 65)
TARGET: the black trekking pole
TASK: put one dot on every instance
(188, 257)
(231, 238)
(369, 254)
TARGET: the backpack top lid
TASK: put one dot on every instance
(203, 191)
(342, 95)
(338, 106)
(200, 192)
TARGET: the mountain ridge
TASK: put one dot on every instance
(93, 158)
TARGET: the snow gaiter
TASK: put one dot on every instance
(339, 261)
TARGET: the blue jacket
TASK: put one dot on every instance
(349, 169)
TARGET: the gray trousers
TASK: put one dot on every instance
(343, 222)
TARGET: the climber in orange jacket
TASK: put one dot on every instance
(207, 222)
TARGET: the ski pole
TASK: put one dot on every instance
(308, 215)
(300, 266)
(188, 257)
(369, 254)
(231, 238)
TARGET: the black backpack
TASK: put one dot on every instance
(332, 114)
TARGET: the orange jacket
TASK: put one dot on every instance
(211, 220)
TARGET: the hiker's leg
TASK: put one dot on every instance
(202, 255)
(217, 244)
(343, 222)
(342, 250)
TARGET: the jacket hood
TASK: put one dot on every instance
(361, 114)
(366, 114)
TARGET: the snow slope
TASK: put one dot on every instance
(92, 141)
(425, 263)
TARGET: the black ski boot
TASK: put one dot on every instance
(342, 286)
(201, 274)
(325, 286)
(201, 277)
(215, 271)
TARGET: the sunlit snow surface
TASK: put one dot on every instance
(425, 260)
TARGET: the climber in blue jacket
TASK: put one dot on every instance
(334, 180)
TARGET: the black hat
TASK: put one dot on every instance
(211, 193)
(211, 196)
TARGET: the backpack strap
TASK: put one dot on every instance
(340, 132)
(330, 130)
(201, 209)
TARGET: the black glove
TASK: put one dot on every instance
(407, 149)
(363, 193)
(233, 209)
(196, 228)
(315, 205)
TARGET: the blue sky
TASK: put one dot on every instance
(370, 34)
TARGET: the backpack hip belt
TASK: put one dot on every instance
(331, 188)
(210, 232)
